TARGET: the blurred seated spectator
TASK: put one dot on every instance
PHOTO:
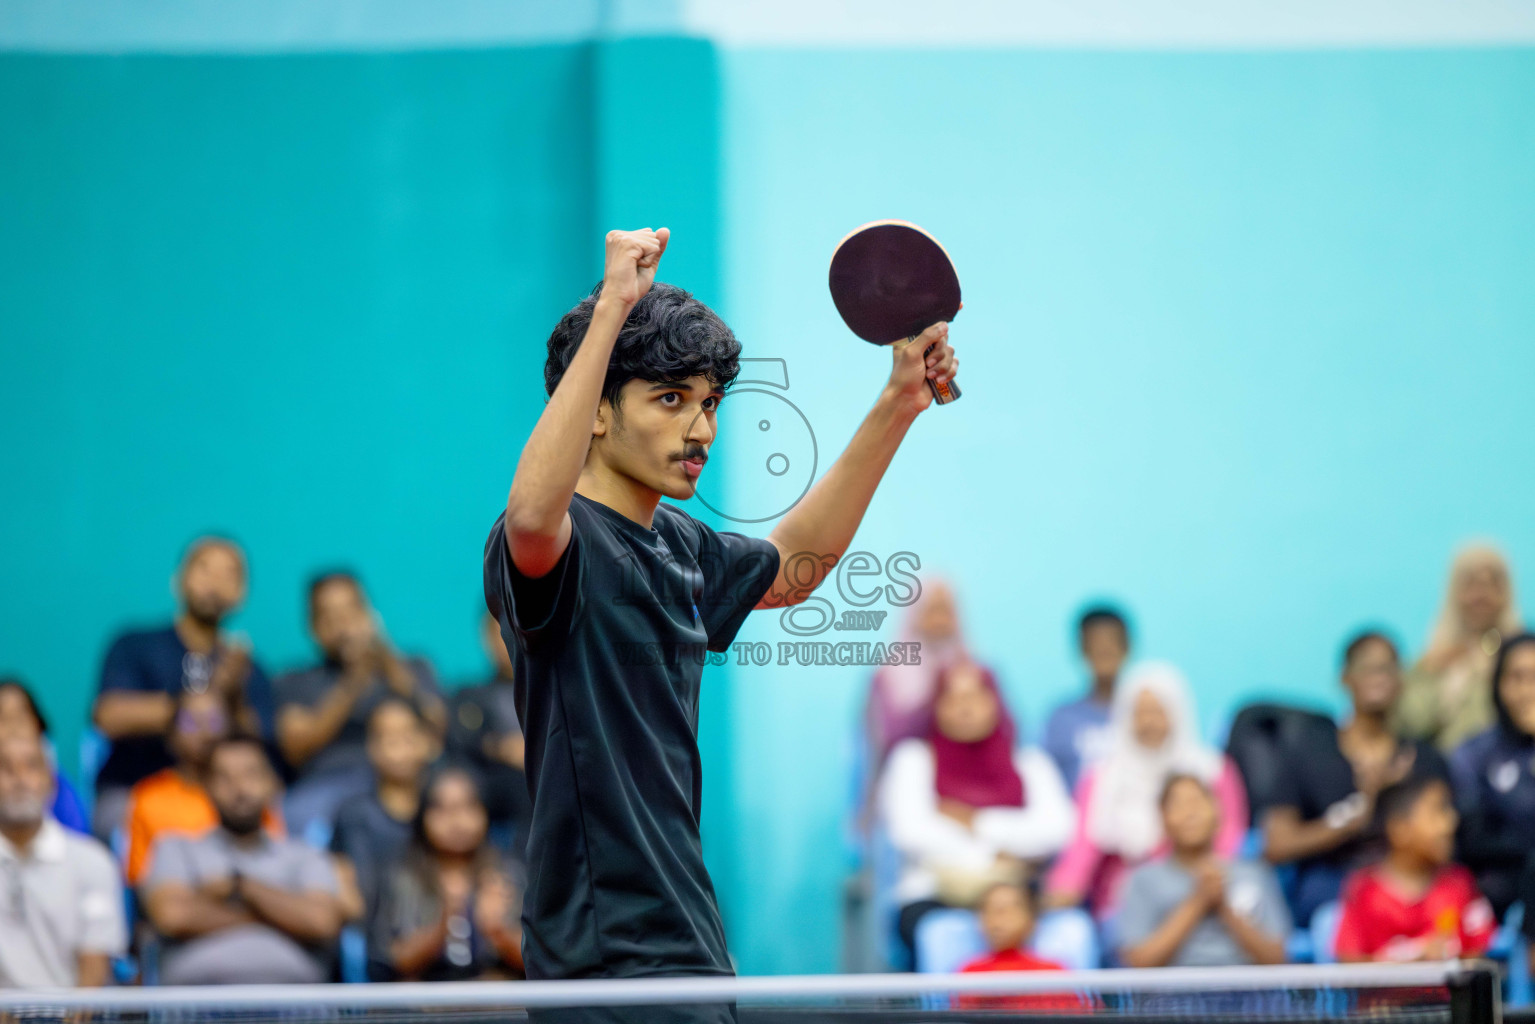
(451, 908)
(372, 829)
(1447, 699)
(1007, 915)
(62, 921)
(1077, 733)
(20, 716)
(144, 671)
(322, 716)
(1323, 816)
(237, 906)
(174, 800)
(1194, 908)
(967, 807)
(901, 696)
(483, 732)
(1494, 776)
(1415, 904)
(1155, 734)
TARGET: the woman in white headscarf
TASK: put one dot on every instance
(1447, 696)
(1155, 734)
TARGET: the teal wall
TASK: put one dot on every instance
(301, 299)
(304, 300)
(1247, 344)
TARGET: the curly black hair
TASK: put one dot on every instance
(668, 337)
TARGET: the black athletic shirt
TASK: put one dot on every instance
(608, 649)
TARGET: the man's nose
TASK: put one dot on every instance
(700, 430)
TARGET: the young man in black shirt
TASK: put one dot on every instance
(608, 599)
(144, 671)
(1323, 818)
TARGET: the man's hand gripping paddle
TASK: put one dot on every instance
(891, 281)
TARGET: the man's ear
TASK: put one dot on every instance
(604, 418)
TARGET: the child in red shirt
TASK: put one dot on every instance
(1007, 921)
(1415, 904)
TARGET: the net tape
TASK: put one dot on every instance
(1112, 988)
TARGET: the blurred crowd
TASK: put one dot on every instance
(1403, 830)
(352, 820)
(349, 820)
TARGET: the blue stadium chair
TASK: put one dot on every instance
(1511, 948)
(1299, 948)
(1324, 932)
(948, 939)
(885, 910)
(354, 955)
(94, 748)
(317, 834)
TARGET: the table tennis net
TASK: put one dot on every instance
(1449, 993)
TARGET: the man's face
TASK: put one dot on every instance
(1006, 920)
(240, 784)
(200, 722)
(1104, 648)
(1189, 816)
(1374, 678)
(16, 717)
(340, 618)
(212, 583)
(26, 784)
(660, 434)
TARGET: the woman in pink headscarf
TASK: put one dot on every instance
(901, 696)
(964, 805)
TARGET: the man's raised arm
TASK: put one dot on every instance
(824, 521)
(538, 506)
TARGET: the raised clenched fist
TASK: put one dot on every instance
(631, 262)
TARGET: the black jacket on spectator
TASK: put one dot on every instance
(156, 661)
(1494, 775)
(373, 841)
(478, 717)
(1317, 775)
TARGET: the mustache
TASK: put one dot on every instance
(694, 453)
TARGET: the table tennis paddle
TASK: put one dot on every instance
(891, 281)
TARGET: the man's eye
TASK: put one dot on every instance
(671, 398)
(711, 403)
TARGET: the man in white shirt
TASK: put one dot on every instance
(61, 905)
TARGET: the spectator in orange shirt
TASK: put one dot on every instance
(173, 800)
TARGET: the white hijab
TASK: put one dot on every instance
(1123, 817)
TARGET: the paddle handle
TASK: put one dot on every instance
(943, 394)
